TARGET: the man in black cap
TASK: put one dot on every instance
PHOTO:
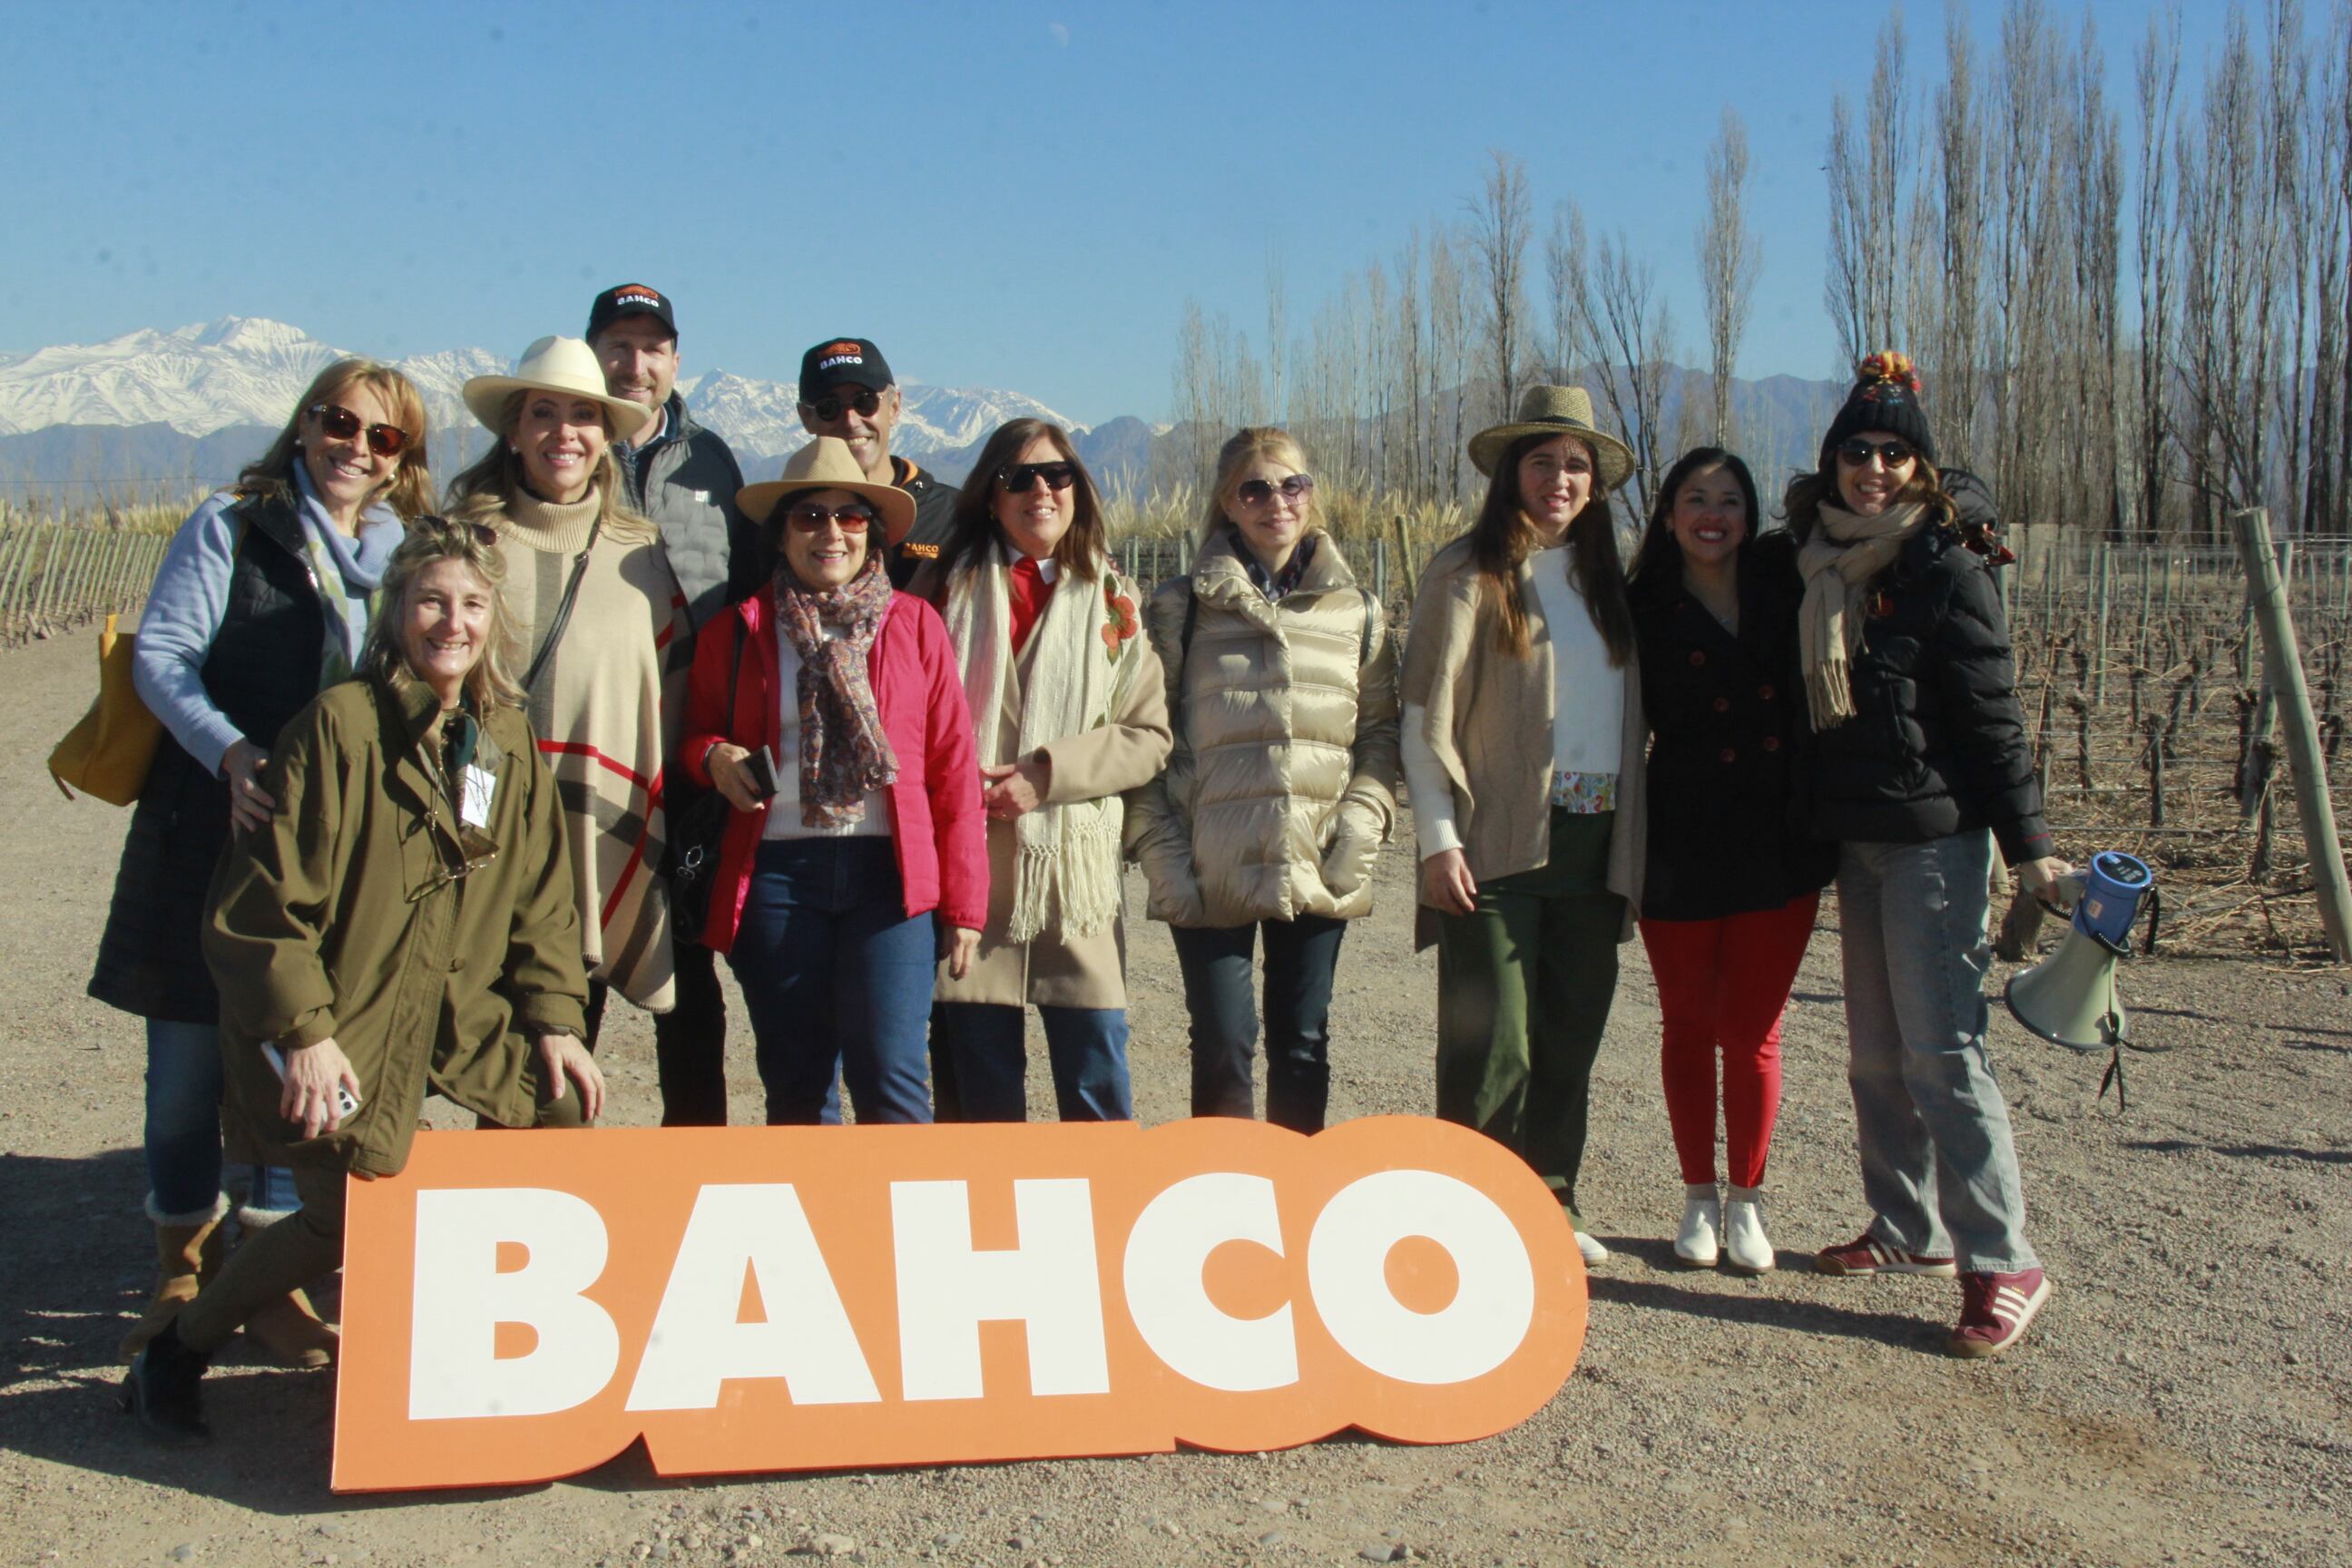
(846, 391)
(684, 478)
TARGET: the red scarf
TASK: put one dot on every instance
(1028, 591)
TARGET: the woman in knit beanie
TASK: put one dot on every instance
(1918, 766)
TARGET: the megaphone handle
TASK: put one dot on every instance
(2115, 1075)
(2155, 916)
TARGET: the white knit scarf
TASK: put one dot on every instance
(1065, 873)
(1838, 563)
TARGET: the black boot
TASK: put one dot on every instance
(161, 1390)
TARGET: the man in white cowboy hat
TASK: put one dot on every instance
(684, 478)
(846, 391)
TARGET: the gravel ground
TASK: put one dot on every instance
(2185, 1397)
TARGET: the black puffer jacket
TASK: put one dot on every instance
(1728, 713)
(1938, 745)
(935, 502)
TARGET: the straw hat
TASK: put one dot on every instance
(1554, 411)
(558, 365)
(825, 464)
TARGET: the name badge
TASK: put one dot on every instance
(476, 791)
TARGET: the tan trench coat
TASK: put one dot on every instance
(1282, 785)
(1488, 720)
(1055, 971)
(339, 920)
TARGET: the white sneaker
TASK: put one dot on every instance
(1590, 1247)
(1695, 1244)
(1745, 1248)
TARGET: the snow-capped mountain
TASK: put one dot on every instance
(245, 370)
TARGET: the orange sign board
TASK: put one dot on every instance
(522, 1307)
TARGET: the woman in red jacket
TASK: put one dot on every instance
(827, 709)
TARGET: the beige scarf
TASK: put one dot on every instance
(1838, 563)
(1066, 871)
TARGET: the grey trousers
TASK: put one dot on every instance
(1939, 1165)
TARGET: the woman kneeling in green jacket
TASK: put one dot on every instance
(404, 924)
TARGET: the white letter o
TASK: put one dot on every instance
(1347, 1270)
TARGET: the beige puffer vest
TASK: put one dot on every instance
(1282, 787)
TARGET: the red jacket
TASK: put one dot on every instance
(935, 822)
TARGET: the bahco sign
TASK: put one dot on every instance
(517, 1308)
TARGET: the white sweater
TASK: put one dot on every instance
(1588, 717)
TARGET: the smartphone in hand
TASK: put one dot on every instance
(346, 1102)
(760, 766)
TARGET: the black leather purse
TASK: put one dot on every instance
(697, 820)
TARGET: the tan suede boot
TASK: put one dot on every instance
(187, 1253)
(288, 1330)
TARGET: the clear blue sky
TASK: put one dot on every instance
(1009, 195)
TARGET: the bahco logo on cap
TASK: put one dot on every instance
(840, 353)
(635, 292)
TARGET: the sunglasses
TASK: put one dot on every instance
(811, 518)
(340, 425)
(1021, 477)
(830, 407)
(1894, 454)
(1258, 493)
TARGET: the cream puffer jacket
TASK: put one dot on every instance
(1282, 787)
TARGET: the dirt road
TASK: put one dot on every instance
(2186, 1397)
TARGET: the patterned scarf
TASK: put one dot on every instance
(843, 751)
(1838, 563)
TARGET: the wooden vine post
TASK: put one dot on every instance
(2282, 661)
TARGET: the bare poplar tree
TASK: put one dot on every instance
(1956, 356)
(2157, 80)
(1729, 261)
(1449, 366)
(1499, 232)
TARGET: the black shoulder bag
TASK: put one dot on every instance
(691, 850)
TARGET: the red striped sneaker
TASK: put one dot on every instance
(1868, 1255)
(1995, 1309)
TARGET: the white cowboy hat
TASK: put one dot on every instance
(558, 365)
(825, 464)
(1554, 411)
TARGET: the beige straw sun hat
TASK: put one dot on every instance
(565, 365)
(1554, 411)
(825, 464)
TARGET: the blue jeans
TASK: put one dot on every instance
(1938, 1167)
(1300, 957)
(836, 976)
(182, 1136)
(1087, 1046)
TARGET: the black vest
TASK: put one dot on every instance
(261, 670)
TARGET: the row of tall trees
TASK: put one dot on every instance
(2131, 317)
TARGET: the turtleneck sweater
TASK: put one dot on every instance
(598, 712)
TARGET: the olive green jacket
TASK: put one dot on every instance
(341, 920)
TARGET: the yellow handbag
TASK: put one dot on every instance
(107, 754)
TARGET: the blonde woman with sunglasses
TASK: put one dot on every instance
(1281, 682)
(262, 602)
(403, 925)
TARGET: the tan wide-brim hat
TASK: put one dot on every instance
(1555, 410)
(825, 464)
(558, 365)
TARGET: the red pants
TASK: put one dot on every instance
(1722, 985)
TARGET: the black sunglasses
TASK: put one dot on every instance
(829, 408)
(1021, 477)
(1257, 492)
(810, 518)
(1894, 454)
(340, 424)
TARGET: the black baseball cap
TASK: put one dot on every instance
(838, 362)
(630, 300)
